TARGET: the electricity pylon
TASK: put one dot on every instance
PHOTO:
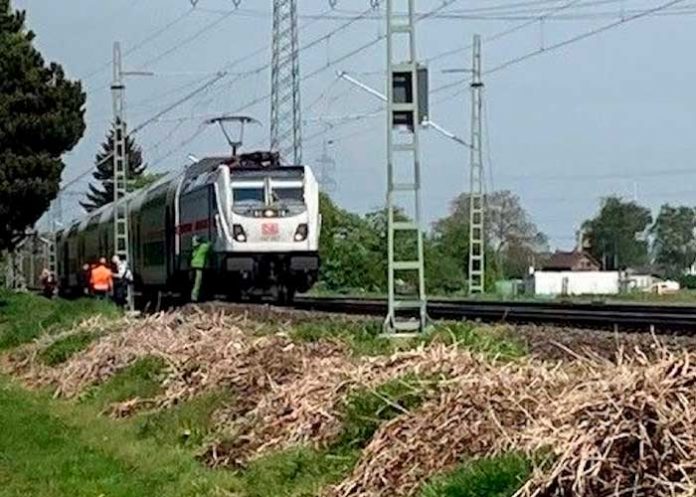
(286, 118)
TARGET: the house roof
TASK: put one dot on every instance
(568, 260)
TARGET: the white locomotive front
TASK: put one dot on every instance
(261, 218)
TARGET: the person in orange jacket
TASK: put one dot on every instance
(102, 279)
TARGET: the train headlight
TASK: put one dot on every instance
(269, 213)
(301, 233)
(238, 233)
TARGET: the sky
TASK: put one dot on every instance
(610, 113)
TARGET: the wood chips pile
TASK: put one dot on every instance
(597, 428)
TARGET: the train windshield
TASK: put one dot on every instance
(288, 195)
(250, 196)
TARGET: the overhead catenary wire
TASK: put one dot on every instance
(342, 58)
(506, 32)
(205, 29)
(148, 122)
(553, 47)
(139, 45)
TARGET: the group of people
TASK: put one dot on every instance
(102, 280)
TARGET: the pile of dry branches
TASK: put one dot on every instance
(202, 351)
(306, 410)
(605, 428)
(609, 429)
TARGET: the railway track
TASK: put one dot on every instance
(634, 317)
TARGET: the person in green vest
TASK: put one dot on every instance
(199, 261)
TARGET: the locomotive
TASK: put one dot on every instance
(262, 220)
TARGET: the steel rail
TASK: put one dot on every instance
(618, 316)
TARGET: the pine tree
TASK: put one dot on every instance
(103, 192)
(41, 118)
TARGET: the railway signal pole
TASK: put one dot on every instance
(286, 117)
(476, 195)
(406, 109)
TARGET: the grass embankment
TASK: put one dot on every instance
(24, 317)
(59, 448)
(366, 338)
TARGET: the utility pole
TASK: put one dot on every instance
(476, 195)
(286, 118)
(326, 163)
(406, 110)
(55, 218)
(120, 159)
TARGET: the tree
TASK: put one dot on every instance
(674, 244)
(104, 174)
(41, 118)
(353, 256)
(618, 234)
(512, 238)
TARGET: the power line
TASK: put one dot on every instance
(205, 29)
(142, 43)
(147, 122)
(347, 55)
(556, 46)
(506, 32)
(582, 36)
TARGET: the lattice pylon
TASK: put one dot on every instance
(286, 118)
(476, 195)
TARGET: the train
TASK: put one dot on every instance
(261, 218)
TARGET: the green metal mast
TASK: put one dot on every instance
(406, 109)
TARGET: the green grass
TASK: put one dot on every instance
(365, 337)
(52, 448)
(362, 336)
(142, 379)
(24, 317)
(490, 341)
(186, 425)
(495, 477)
(365, 410)
(299, 472)
(64, 348)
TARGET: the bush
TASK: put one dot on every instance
(688, 281)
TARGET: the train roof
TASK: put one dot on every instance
(243, 164)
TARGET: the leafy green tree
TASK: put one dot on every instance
(512, 243)
(450, 236)
(513, 237)
(41, 118)
(351, 251)
(617, 236)
(103, 192)
(674, 243)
